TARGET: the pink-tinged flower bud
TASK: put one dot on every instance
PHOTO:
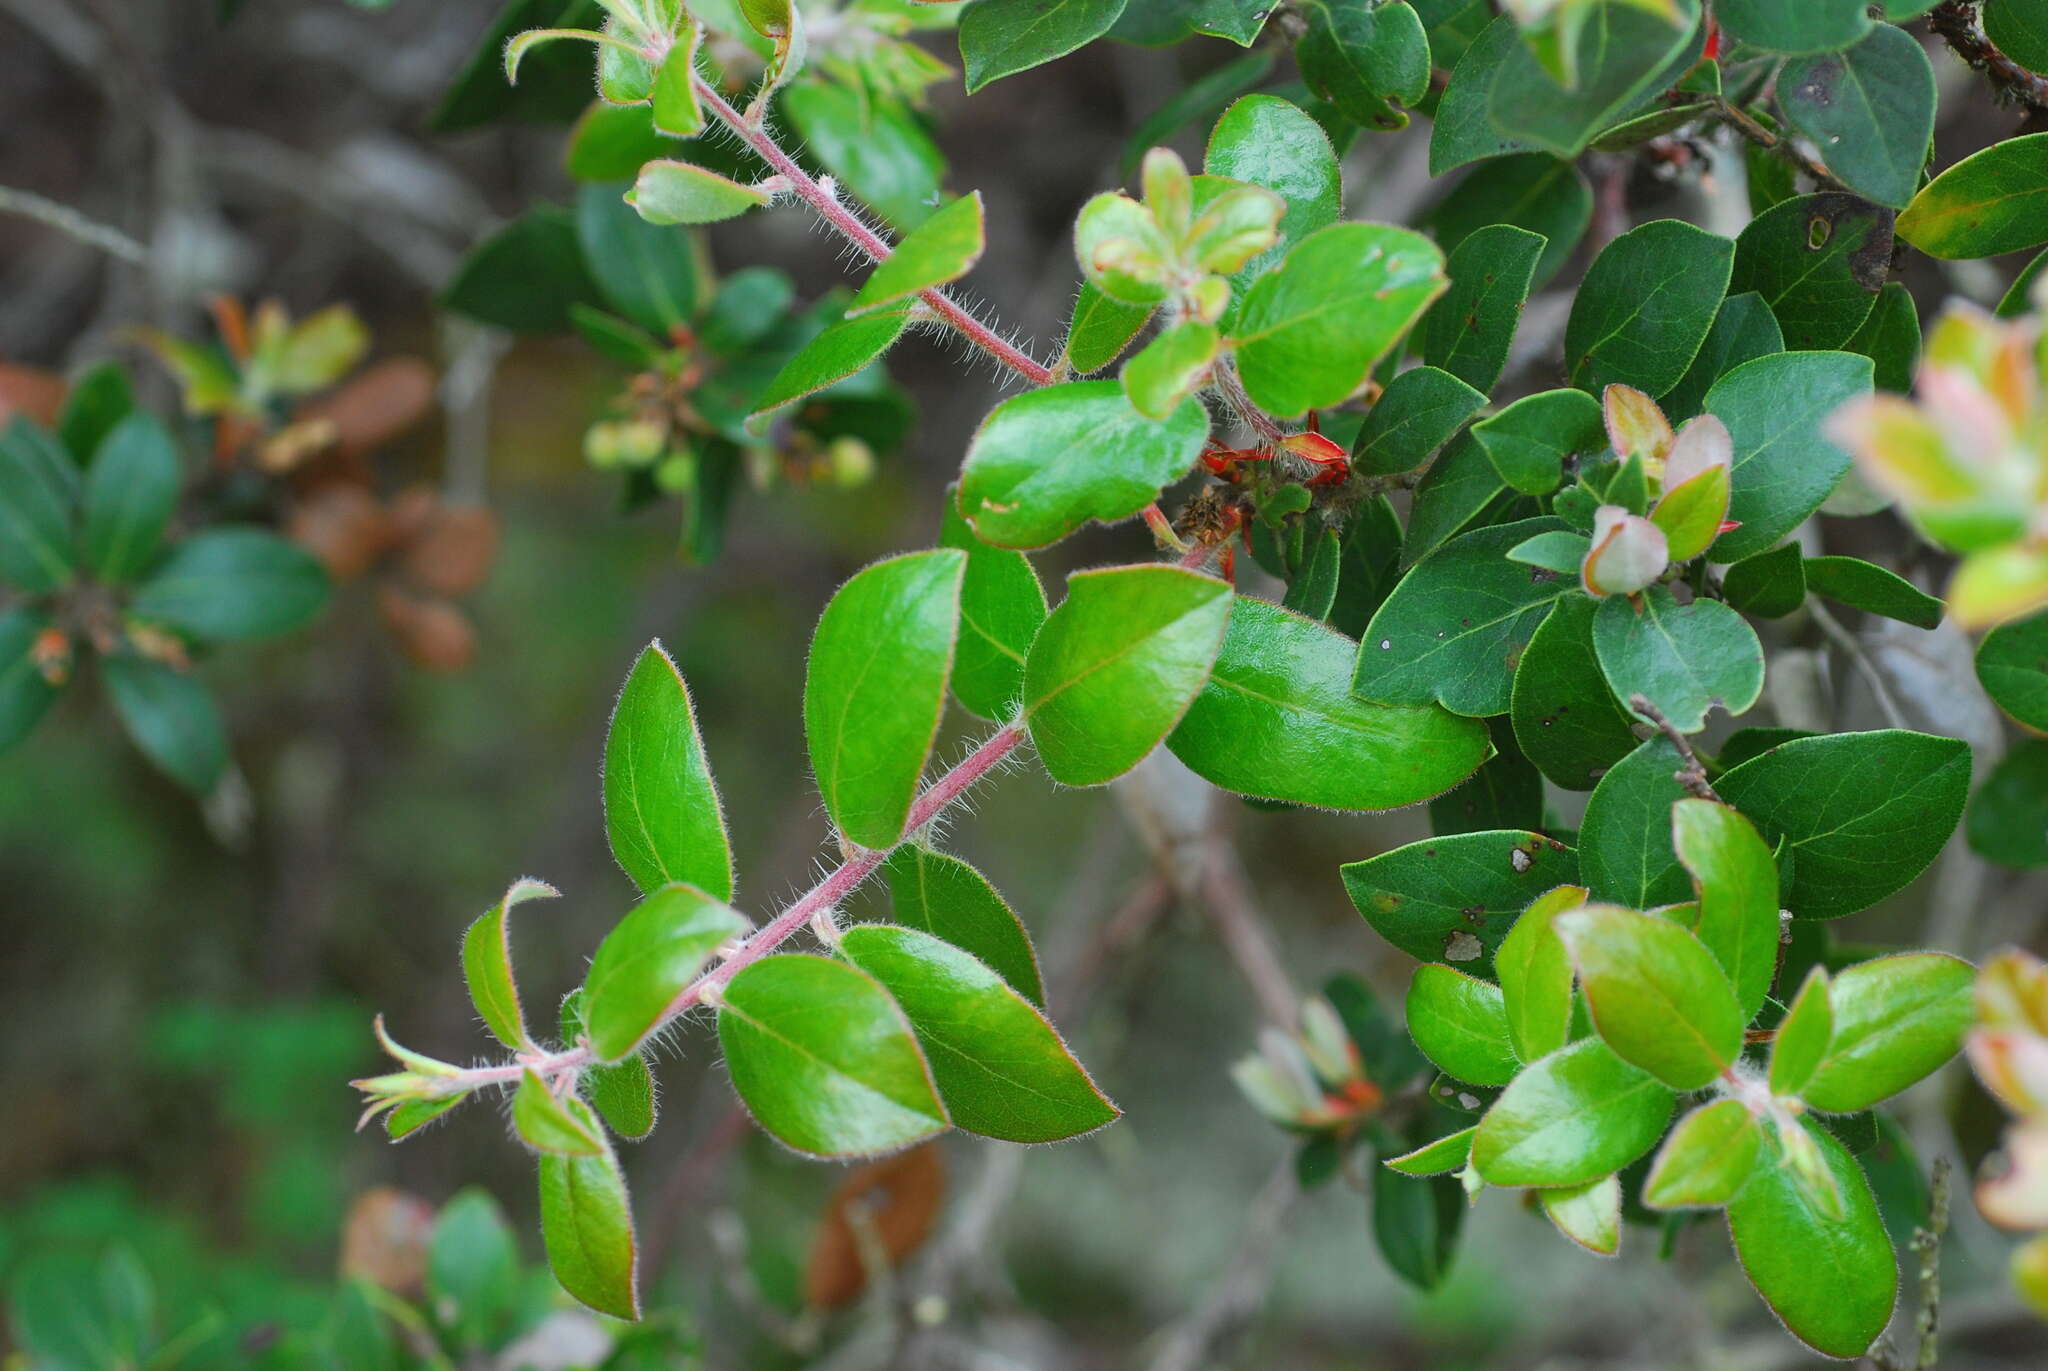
(1636, 426)
(1704, 443)
(2017, 1196)
(2013, 1066)
(1628, 553)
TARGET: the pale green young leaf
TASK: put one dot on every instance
(547, 1122)
(1896, 1020)
(842, 350)
(623, 1093)
(1707, 1159)
(1803, 1035)
(662, 815)
(1101, 328)
(1657, 996)
(1171, 368)
(1535, 975)
(1589, 1214)
(1570, 1118)
(1460, 1024)
(943, 248)
(487, 965)
(1736, 883)
(675, 107)
(649, 958)
(1447, 1154)
(671, 192)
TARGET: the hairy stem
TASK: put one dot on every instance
(1958, 25)
(877, 247)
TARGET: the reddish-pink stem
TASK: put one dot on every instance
(866, 239)
(837, 885)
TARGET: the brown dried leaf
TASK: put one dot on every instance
(30, 391)
(433, 633)
(377, 405)
(343, 526)
(899, 1197)
(452, 552)
(384, 1239)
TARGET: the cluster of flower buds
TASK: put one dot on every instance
(1180, 244)
(1690, 468)
(1311, 1081)
(1967, 457)
(2009, 1049)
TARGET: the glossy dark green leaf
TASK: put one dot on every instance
(1869, 109)
(25, 692)
(1460, 490)
(944, 896)
(942, 249)
(1101, 329)
(875, 688)
(1896, 1020)
(874, 144)
(1001, 1069)
(1276, 719)
(1769, 585)
(1415, 1225)
(1565, 717)
(1890, 338)
(1862, 814)
(647, 961)
(1832, 1278)
(1372, 552)
(2008, 816)
(130, 490)
(1459, 1023)
(1992, 201)
(1625, 54)
(1002, 606)
(824, 1059)
(1686, 659)
(1646, 306)
(586, 1222)
(1707, 1159)
(1368, 61)
(1453, 899)
(648, 273)
(1454, 629)
(1159, 22)
(1812, 26)
(1744, 330)
(487, 965)
(1534, 192)
(623, 1092)
(1870, 588)
(662, 815)
(2012, 665)
(1270, 142)
(39, 489)
(1530, 441)
(171, 717)
(1048, 461)
(1569, 1118)
(1657, 996)
(1625, 838)
(1463, 129)
(1312, 592)
(231, 583)
(554, 1124)
(1775, 408)
(525, 276)
(1469, 331)
(1001, 37)
(98, 399)
(1311, 330)
(1117, 665)
(1819, 262)
(1735, 882)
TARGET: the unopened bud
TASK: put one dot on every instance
(1628, 553)
(1704, 443)
(1208, 298)
(1636, 426)
(1329, 1047)
(1169, 193)
(851, 462)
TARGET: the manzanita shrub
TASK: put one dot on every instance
(1514, 602)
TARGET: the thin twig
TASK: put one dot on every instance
(69, 221)
(1957, 24)
(1733, 115)
(1927, 1242)
(1845, 640)
(1692, 775)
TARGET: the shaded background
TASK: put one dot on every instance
(179, 1013)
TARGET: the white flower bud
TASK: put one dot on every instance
(1628, 553)
(1704, 443)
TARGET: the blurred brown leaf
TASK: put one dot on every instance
(345, 527)
(900, 1197)
(453, 548)
(31, 391)
(433, 633)
(377, 405)
(384, 1239)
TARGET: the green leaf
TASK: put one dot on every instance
(97, 401)
(1366, 61)
(1775, 408)
(1744, 330)
(824, 1059)
(473, 1269)
(25, 693)
(586, 1222)
(875, 688)
(2019, 28)
(1565, 717)
(1707, 1159)
(1646, 306)
(1002, 37)
(1685, 659)
(1869, 109)
(1460, 1024)
(2008, 816)
(1819, 262)
(2012, 665)
(1369, 567)
(1811, 26)
(1657, 996)
(1312, 592)
(1276, 719)
(662, 816)
(612, 143)
(554, 82)
(1803, 1036)
(1589, 1214)
(1171, 368)
(842, 350)
(1532, 191)
(1832, 1278)
(1626, 835)
(1896, 1019)
(1101, 329)
(670, 192)
(1991, 202)
(1890, 338)
(1161, 22)
(1469, 331)
(1535, 974)
(171, 717)
(1505, 792)
(1569, 1118)
(1625, 54)
(1861, 814)
(1736, 883)
(1267, 141)
(1462, 128)
(552, 1124)
(1560, 550)
(1870, 588)
(1117, 665)
(38, 491)
(1002, 606)
(1459, 489)
(1046, 462)
(647, 273)
(130, 490)
(1415, 1225)
(1769, 585)
(228, 584)
(875, 145)
(623, 1092)
(1454, 628)
(648, 959)
(487, 965)
(525, 276)
(1311, 330)
(1529, 441)
(943, 248)
(674, 103)
(1445, 1155)
(945, 897)
(1000, 1067)
(1453, 899)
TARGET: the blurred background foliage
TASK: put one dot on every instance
(184, 1000)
